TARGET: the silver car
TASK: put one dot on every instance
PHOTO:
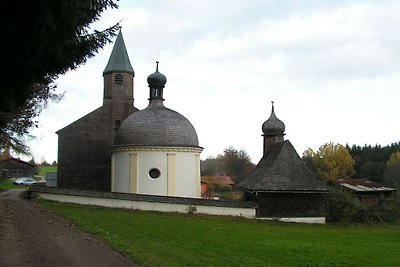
(24, 181)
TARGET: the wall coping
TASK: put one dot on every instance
(145, 198)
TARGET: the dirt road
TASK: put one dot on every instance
(33, 236)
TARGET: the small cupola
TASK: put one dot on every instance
(156, 83)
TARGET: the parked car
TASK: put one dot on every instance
(24, 181)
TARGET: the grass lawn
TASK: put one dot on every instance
(8, 184)
(42, 170)
(170, 239)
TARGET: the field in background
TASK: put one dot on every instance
(42, 170)
(169, 239)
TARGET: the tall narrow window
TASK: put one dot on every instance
(117, 124)
(118, 79)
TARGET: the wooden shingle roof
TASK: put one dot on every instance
(282, 170)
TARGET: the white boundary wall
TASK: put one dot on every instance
(150, 206)
(311, 220)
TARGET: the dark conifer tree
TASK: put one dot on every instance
(42, 40)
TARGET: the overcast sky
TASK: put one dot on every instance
(332, 68)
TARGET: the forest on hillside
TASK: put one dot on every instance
(371, 161)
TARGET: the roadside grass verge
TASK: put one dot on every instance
(171, 239)
(7, 184)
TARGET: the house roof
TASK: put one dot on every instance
(18, 162)
(363, 185)
(226, 180)
(282, 170)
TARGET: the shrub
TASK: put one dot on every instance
(220, 188)
(341, 206)
(386, 211)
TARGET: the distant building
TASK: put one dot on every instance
(14, 168)
(281, 183)
(215, 180)
(84, 146)
(369, 192)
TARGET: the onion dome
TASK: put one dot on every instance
(157, 79)
(273, 126)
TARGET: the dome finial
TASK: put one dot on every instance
(157, 65)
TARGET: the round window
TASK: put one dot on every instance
(154, 173)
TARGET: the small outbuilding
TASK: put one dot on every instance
(369, 192)
(281, 183)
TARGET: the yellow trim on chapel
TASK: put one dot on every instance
(198, 178)
(133, 172)
(159, 149)
(112, 173)
(171, 176)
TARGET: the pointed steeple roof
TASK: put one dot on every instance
(119, 59)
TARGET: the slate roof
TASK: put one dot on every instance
(282, 170)
(119, 59)
(157, 125)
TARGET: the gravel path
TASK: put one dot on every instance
(33, 236)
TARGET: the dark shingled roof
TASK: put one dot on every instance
(157, 126)
(119, 59)
(281, 170)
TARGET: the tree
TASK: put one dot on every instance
(211, 167)
(45, 39)
(370, 161)
(236, 164)
(392, 171)
(331, 161)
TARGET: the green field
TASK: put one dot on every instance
(42, 170)
(169, 239)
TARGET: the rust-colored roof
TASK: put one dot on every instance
(364, 185)
(225, 180)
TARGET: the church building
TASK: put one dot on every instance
(281, 183)
(156, 150)
(84, 146)
(118, 148)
